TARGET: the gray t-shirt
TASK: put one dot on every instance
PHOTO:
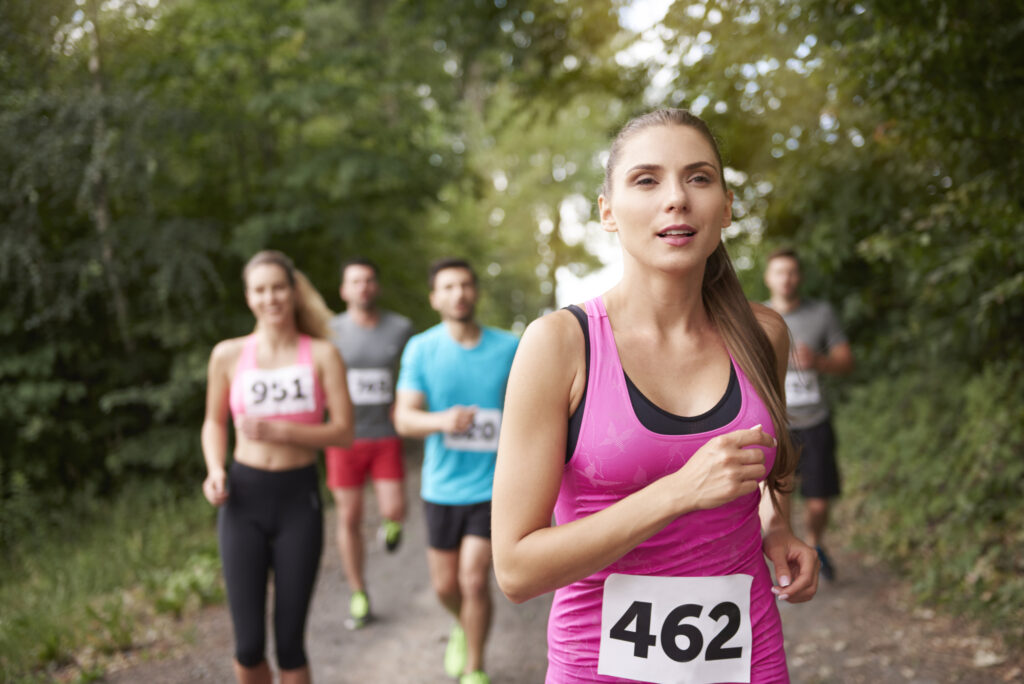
(813, 323)
(371, 357)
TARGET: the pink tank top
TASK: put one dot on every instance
(290, 393)
(616, 456)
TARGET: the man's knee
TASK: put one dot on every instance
(349, 506)
(474, 583)
(816, 506)
(446, 586)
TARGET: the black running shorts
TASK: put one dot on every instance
(817, 469)
(447, 525)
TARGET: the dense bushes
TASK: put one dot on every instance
(934, 466)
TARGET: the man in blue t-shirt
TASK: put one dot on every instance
(451, 391)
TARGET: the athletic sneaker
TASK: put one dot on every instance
(828, 571)
(477, 677)
(390, 535)
(455, 653)
(358, 610)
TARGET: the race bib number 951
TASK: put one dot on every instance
(675, 630)
(278, 391)
(482, 435)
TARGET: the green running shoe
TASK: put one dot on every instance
(390, 535)
(475, 677)
(455, 652)
(358, 610)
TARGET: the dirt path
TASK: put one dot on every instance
(862, 628)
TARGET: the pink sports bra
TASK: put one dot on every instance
(288, 393)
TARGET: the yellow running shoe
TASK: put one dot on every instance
(358, 610)
(390, 535)
(455, 652)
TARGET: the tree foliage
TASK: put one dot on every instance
(150, 147)
(881, 139)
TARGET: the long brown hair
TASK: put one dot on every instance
(311, 311)
(726, 305)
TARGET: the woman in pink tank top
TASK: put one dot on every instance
(277, 384)
(651, 427)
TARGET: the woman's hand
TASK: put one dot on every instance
(259, 430)
(215, 487)
(795, 564)
(726, 468)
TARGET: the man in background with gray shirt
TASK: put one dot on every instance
(371, 341)
(819, 347)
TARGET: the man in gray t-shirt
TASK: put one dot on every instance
(819, 347)
(371, 341)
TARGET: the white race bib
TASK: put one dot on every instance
(802, 388)
(675, 630)
(278, 391)
(370, 386)
(482, 435)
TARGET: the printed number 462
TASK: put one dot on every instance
(673, 628)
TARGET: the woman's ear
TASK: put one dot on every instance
(604, 210)
(727, 215)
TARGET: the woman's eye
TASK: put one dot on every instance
(645, 180)
(701, 178)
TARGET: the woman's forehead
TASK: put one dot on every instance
(666, 145)
(266, 271)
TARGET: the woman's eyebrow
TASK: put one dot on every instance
(657, 167)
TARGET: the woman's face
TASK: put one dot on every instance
(269, 295)
(667, 200)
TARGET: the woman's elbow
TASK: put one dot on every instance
(513, 590)
(514, 583)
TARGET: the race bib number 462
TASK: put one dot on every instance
(482, 435)
(675, 630)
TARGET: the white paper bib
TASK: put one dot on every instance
(675, 630)
(482, 435)
(370, 386)
(802, 388)
(278, 391)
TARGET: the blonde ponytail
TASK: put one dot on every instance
(311, 311)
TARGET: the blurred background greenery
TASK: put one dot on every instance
(148, 147)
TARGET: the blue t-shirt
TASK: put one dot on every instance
(459, 469)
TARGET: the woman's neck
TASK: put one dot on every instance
(274, 337)
(658, 301)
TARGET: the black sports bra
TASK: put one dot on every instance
(650, 415)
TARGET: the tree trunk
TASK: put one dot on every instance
(98, 185)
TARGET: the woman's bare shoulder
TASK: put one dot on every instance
(558, 333)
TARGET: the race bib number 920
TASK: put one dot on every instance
(675, 630)
(482, 435)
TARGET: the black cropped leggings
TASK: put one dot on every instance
(271, 521)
